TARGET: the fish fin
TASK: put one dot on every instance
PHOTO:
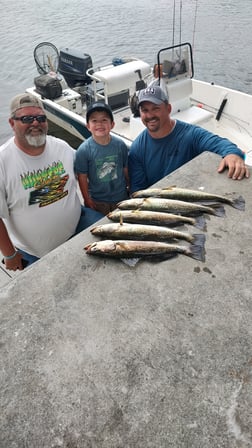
(199, 239)
(197, 252)
(131, 262)
(239, 203)
(219, 211)
(163, 257)
(154, 258)
(200, 222)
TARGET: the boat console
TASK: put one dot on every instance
(115, 84)
(174, 72)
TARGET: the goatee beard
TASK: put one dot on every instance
(36, 141)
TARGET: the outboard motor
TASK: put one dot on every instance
(73, 65)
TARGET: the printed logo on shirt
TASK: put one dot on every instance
(107, 170)
(48, 184)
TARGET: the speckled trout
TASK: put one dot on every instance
(145, 232)
(170, 205)
(185, 194)
(156, 218)
(143, 249)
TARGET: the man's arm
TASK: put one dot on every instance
(12, 258)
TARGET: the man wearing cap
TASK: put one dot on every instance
(102, 162)
(166, 144)
(39, 204)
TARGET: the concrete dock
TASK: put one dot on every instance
(97, 354)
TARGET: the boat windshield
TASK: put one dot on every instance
(174, 63)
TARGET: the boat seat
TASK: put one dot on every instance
(180, 91)
(193, 115)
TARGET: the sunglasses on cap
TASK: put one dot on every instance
(28, 119)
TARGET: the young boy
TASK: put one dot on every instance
(102, 162)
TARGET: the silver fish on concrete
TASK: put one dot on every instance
(157, 218)
(170, 205)
(143, 249)
(186, 194)
(145, 232)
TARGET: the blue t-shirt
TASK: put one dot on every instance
(104, 166)
(151, 159)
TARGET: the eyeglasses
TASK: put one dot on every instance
(28, 119)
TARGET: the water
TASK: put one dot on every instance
(108, 29)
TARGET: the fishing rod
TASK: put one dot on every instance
(180, 22)
(174, 23)
(194, 24)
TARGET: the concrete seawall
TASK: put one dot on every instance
(97, 354)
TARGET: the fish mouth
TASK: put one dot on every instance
(102, 247)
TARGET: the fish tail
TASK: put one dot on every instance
(197, 251)
(219, 211)
(239, 203)
(199, 239)
(200, 222)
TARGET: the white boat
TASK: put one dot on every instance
(69, 82)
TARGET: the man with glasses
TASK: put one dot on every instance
(39, 203)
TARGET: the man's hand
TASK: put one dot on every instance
(14, 263)
(237, 169)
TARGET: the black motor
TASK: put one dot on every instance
(73, 65)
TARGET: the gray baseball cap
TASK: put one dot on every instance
(24, 100)
(153, 94)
